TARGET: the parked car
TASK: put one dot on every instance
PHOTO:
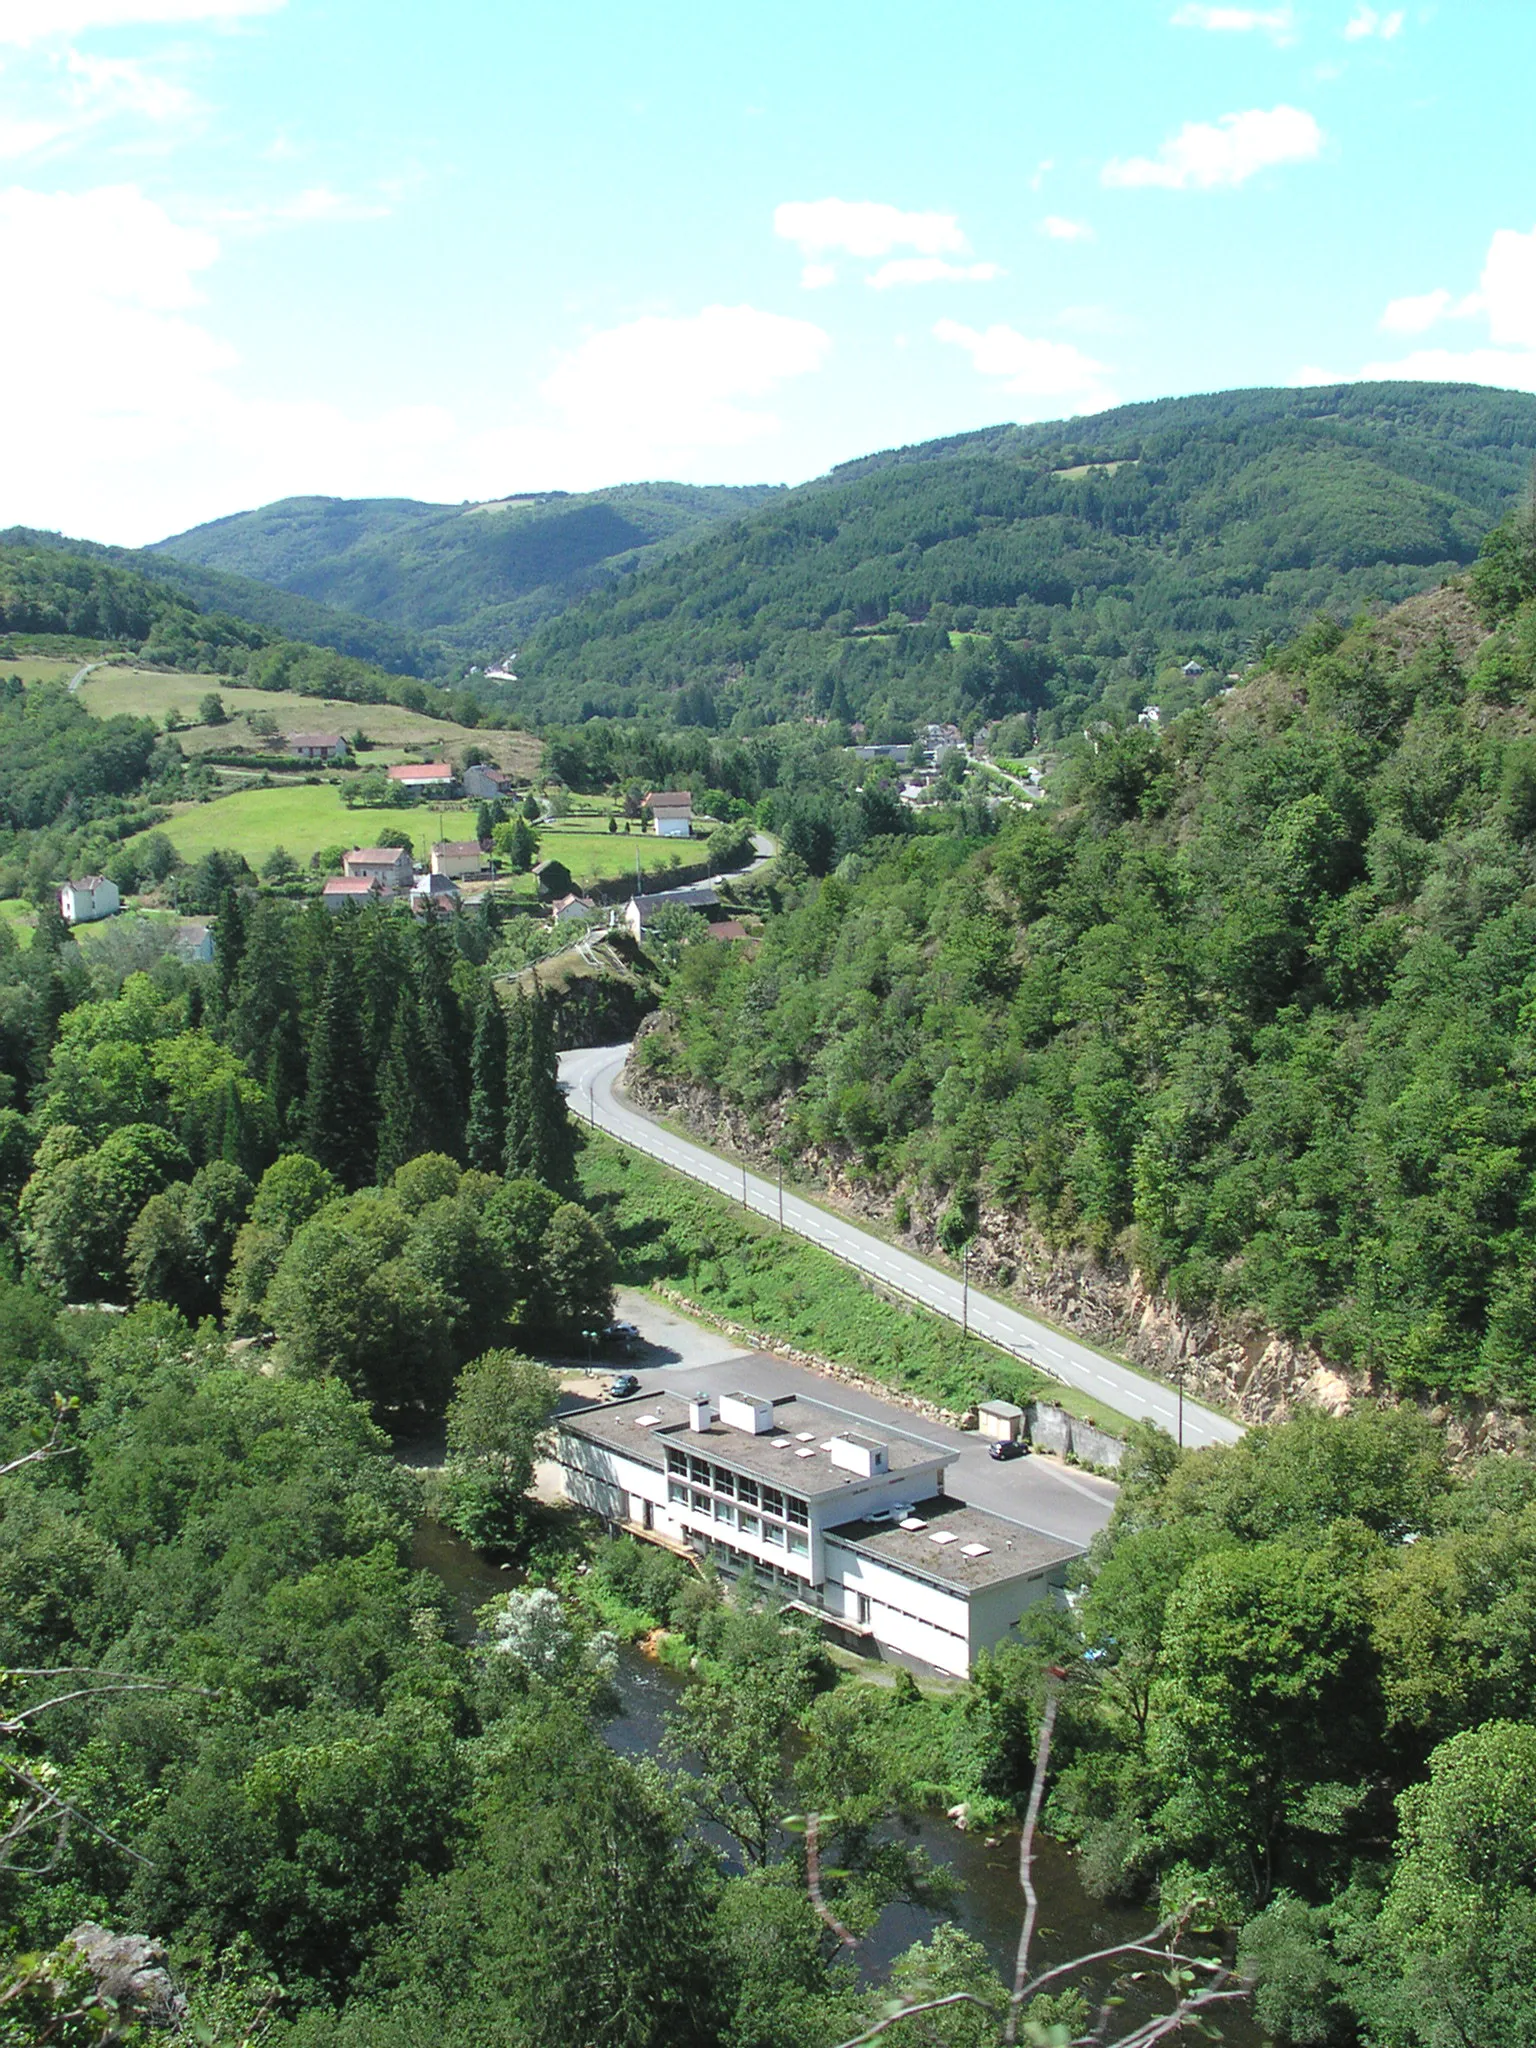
(1008, 1447)
(622, 1385)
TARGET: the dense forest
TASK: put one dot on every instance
(1252, 1011)
(279, 613)
(54, 591)
(473, 579)
(1044, 568)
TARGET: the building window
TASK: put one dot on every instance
(773, 1501)
(746, 1489)
(773, 1532)
(698, 1471)
(724, 1512)
(725, 1482)
(701, 1503)
(799, 1543)
(799, 1512)
(676, 1491)
(676, 1462)
(747, 1524)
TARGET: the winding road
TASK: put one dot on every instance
(591, 1078)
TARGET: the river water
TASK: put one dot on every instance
(988, 1904)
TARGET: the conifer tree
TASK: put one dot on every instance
(339, 1111)
(402, 1132)
(438, 1061)
(485, 1136)
(540, 1140)
(265, 1027)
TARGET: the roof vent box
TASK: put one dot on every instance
(747, 1412)
(861, 1454)
(701, 1413)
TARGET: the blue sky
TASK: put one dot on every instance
(259, 247)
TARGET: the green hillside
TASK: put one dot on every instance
(1025, 568)
(1254, 1011)
(478, 577)
(279, 612)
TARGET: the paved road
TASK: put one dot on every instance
(683, 1356)
(590, 1076)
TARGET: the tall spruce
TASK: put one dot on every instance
(339, 1109)
(540, 1139)
(265, 1026)
(485, 1134)
(403, 1132)
(441, 1070)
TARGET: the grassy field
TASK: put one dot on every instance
(40, 668)
(398, 734)
(304, 818)
(666, 1228)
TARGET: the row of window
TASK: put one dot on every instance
(736, 1486)
(730, 1559)
(761, 1528)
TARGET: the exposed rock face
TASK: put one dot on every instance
(1234, 1361)
(128, 1970)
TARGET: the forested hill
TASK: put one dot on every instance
(280, 614)
(476, 577)
(1255, 1013)
(1025, 568)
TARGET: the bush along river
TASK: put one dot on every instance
(985, 1866)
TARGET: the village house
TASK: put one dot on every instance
(434, 895)
(728, 928)
(193, 942)
(850, 1523)
(86, 901)
(566, 909)
(316, 746)
(423, 778)
(342, 890)
(671, 812)
(640, 911)
(456, 858)
(485, 784)
(390, 866)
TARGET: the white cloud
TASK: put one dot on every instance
(1059, 229)
(930, 270)
(1055, 374)
(679, 383)
(865, 227)
(317, 205)
(1413, 314)
(815, 277)
(117, 85)
(69, 95)
(1226, 152)
(1278, 23)
(1506, 298)
(33, 21)
(1509, 288)
(1367, 22)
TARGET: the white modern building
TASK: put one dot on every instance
(86, 901)
(849, 1521)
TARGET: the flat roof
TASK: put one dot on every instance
(793, 1455)
(979, 1550)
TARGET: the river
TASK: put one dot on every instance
(986, 1867)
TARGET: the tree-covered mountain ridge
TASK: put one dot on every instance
(1236, 1051)
(472, 579)
(1046, 568)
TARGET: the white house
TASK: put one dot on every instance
(671, 812)
(194, 942)
(391, 867)
(484, 783)
(640, 911)
(341, 890)
(317, 746)
(851, 1523)
(566, 909)
(87, 901)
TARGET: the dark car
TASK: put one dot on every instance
(1007, 1447)
(622, 1386)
